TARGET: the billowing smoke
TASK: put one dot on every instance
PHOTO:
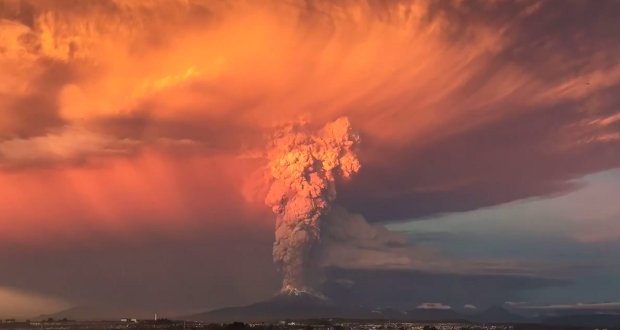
(303, 166)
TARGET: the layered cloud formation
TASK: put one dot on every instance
(125, 121)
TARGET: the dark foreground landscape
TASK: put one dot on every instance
(281, 325)
(304, 311)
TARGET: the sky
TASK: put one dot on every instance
(134, 143)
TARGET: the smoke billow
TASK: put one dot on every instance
(303, 166)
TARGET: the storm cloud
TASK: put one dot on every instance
(132, 133)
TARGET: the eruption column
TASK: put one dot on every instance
(302, 169)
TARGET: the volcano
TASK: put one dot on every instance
(287, 305)
(304, 305)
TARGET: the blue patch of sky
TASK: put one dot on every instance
(578, 232)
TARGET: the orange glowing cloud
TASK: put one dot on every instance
(164, 61)
(121, 197)
(104, 104)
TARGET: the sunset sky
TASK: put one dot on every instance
(133, 142)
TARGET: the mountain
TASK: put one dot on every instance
(287, 306)
(302, 305)
(388, 314)
(498, 314)
(430, 314)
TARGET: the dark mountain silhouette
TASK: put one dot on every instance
(429, 314)
(389, 314)
(498, 314)
(308, 306)
(284, 307)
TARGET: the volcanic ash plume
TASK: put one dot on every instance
(302, 169)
